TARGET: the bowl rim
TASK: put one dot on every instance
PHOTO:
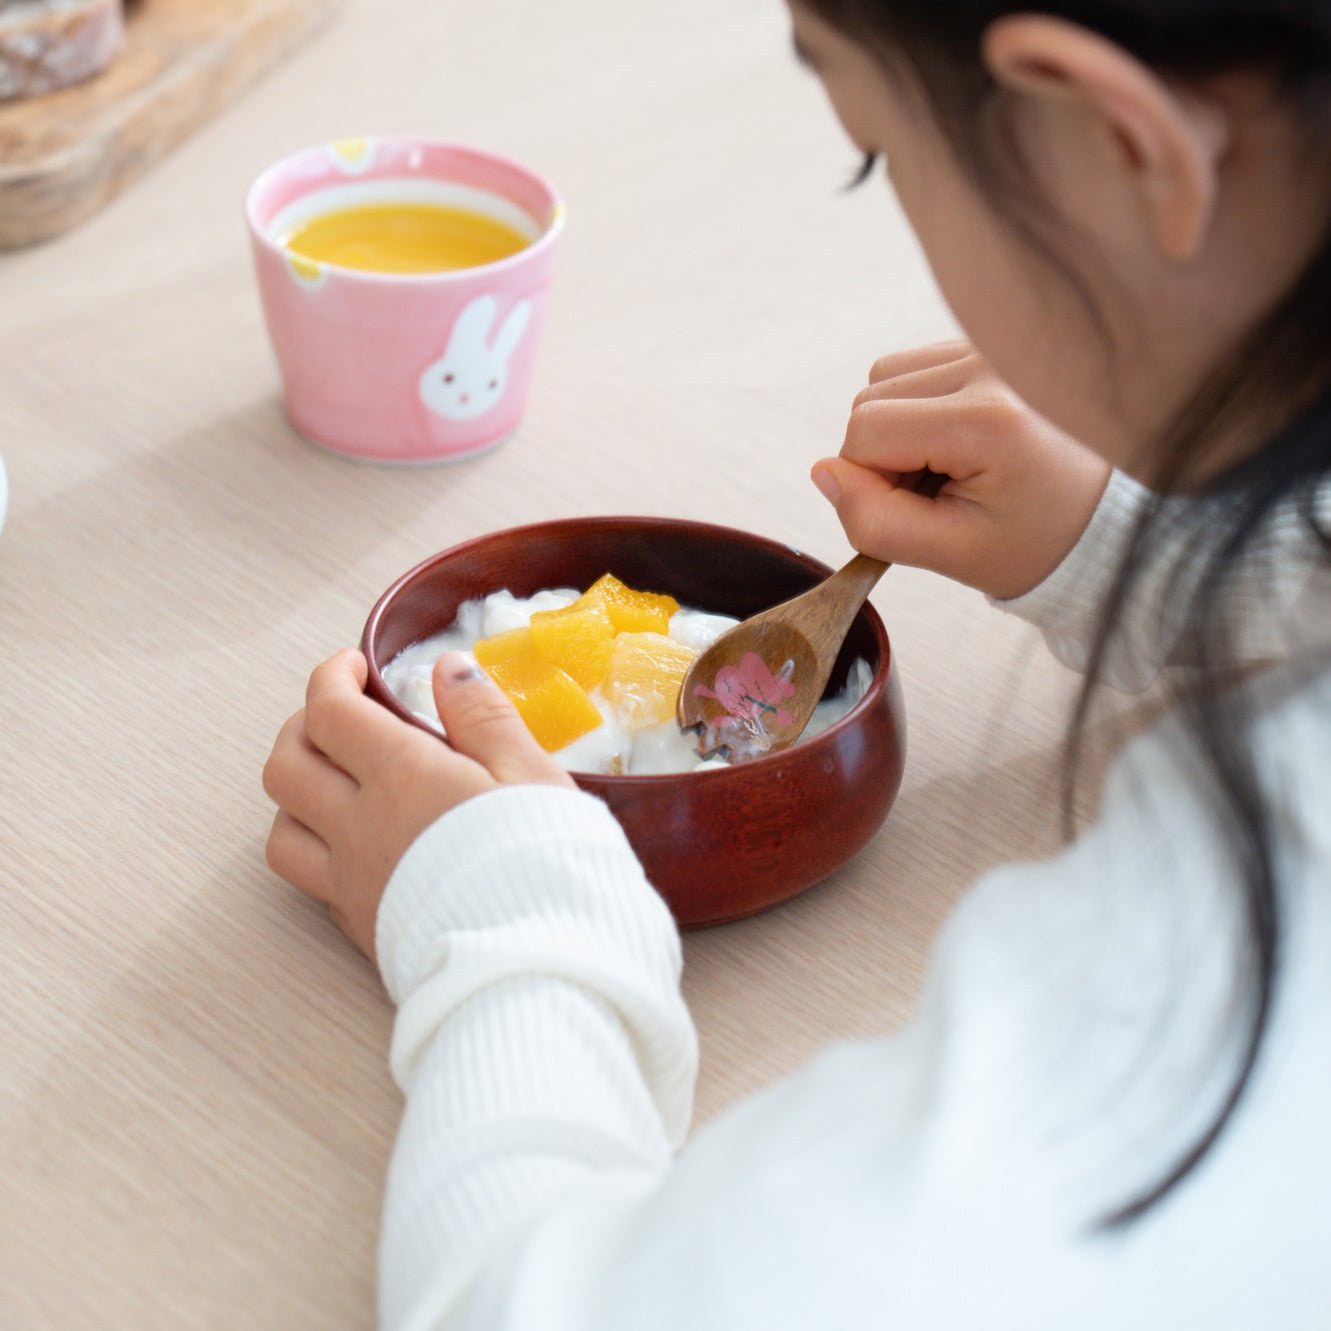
(550, 228)
(808, 748)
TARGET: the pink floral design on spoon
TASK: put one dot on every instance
(751, 691)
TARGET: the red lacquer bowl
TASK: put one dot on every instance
(719, 844)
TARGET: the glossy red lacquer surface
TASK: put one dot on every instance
(720, 844)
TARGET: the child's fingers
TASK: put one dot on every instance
(919, 358)
(485, 726)
(299, 856)
(298, 778)
(928, 381)
(889, 522)
(353, 731)
(344, 671)
(905, 435)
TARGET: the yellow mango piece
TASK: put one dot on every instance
(555, 707)
(630, 611)
(578, 639)
(646, 670)
(516, 642)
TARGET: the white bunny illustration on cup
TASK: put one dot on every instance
(469, 378)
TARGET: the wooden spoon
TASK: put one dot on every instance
(753, 690)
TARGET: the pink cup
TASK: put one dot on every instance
(404, 368)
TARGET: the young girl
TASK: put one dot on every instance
(1112, 1108)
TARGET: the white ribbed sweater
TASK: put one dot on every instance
(1077, 1030)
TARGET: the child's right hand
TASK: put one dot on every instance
(355, 785)
(1019, 494)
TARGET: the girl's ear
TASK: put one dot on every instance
(1168, 144)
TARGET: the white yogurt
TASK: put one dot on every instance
(611, 747)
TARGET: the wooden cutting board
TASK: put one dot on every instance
(65, 155)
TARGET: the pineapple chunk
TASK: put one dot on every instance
(555, 707)
(578, 639)
(630, 611)
(503, 646)
(642, 684)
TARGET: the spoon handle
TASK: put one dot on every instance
(859, 577)
(830, 612)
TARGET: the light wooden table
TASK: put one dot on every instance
(196, 1108)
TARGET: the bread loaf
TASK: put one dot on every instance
(50, 44)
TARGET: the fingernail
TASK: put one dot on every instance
(826, 483)
(460, 668)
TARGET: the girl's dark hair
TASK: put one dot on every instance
(1280, 371)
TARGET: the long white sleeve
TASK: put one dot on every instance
(1274, 603)
(540, 1038)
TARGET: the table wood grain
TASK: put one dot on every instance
(194, 1103)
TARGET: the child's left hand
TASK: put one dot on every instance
(355, 785)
